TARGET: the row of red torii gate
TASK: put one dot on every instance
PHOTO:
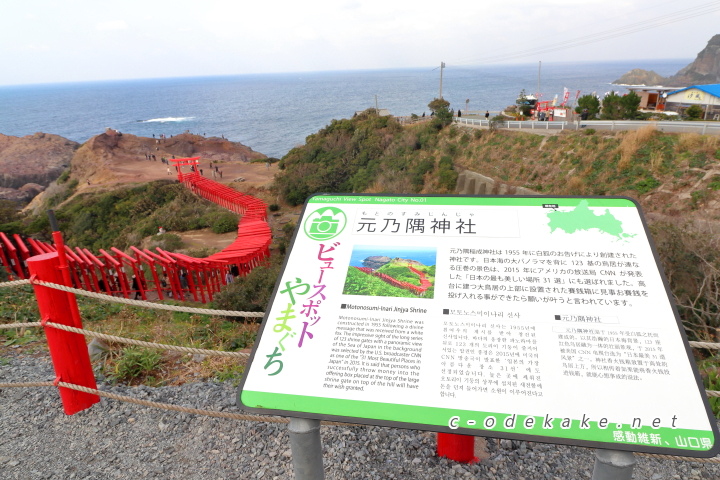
(161, 274)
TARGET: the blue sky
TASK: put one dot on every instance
(44, 41)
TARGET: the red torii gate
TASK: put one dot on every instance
(170, 274)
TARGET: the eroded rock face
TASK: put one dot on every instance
(32, 159)
(705, 69)
(638, 76)
(375, 261)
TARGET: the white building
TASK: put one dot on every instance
(707, 96)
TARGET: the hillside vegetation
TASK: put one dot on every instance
(676, 177)
(125, 215)
(368, 153)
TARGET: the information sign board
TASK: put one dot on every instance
(535, 318)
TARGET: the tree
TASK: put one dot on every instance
(694, 112)
(438, 104)
(591, 102)
(443, 117)
(617, 107)
(523, 103)
(630, 104)
(611, 107)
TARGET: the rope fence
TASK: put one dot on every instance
(196, 411)
(160, 405)
(136, 303)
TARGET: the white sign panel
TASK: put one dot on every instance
(537, 318)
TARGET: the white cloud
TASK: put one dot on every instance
(112, 25)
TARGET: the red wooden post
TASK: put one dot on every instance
(68, 350)
(13, 257)
(5, 263)
(460, 448)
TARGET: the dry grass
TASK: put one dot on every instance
(391, 182)
(631, 143)
(575, 186)
(689, 141)
(656, 160)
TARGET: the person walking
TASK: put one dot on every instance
(487, 115)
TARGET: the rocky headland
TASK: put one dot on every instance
(705, 69)
(30, 163)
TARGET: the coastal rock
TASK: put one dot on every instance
(375, 261)
(638, 76)
(32, 160)
(704, 70)
(114, 158)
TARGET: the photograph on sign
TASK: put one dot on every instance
(536, 318)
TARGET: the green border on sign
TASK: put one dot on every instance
(376, 200)
(440, 417)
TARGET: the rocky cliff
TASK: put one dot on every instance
(112, 157)
(31, 163)
(704, 70)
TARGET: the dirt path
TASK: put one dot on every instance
(241, 174)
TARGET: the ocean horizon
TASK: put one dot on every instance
(272, 113)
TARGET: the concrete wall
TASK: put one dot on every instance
(471, 183)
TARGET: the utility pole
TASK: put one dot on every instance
(376, 106)
(442, 65)
(538, 90)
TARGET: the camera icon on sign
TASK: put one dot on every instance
(325, 225)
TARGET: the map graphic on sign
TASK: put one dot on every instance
(481, 316)
(583, 218)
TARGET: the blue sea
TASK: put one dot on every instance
(272, 113)
(425, 255)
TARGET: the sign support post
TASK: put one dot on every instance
(306, 449)
(613, 465)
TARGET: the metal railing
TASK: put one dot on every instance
(612, 125)
(516, 124)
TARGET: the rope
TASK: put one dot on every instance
(129, 341)
(676, 457)
(207, 311)
(176, 408)
(20, 325)
(143, 303)
(15, 283)
(711, 346)
(259, 418)
(164, 406)
(26, 384)
(113, 338)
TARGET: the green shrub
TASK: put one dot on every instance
(710, 374)
(714, 183)
(63, 176)
(274, 207)
(135, 363)
(694, 112)
(250, 293)
(647, 184)
(167, 241)
(225, 222)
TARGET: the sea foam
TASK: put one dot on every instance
(167, 119)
